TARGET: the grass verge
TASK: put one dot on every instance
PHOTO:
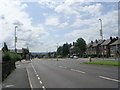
(110, 63)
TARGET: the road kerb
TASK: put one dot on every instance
(29, 79)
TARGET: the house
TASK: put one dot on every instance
(115, 48)
(94, 48)
(89, 48)
(106, 46)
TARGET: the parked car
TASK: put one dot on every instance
(76, 57)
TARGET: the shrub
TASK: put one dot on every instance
(11, 56)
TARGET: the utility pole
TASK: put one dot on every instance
(15, 39)
(57, 52)
(101, 34)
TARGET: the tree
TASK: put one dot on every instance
(65, 49)
(59, 51)
(80, 46)
(5, 48)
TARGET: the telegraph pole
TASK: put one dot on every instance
(101, 34)
(15, 39)
(57, 52)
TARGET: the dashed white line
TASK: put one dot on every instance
(9, 85)
(40, 82)
(34, 69)
(77, 71)
(38, 78)
(43, 87)
(109, 78)
(62, 67)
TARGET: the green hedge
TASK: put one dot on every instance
(11, 56)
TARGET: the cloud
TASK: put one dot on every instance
(52, 20)
(89, 29)
(11, 14)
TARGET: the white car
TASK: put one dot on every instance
(76, 57)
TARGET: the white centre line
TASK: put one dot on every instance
(39, 78)
(62, 67)
(109, 78)
(77, 71)
(40, 82)
(9, 85)
(43, 87)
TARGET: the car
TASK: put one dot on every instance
(76, 57)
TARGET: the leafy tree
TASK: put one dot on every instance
(80, 46)
(59, 51)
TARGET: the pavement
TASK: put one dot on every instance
(18, 78)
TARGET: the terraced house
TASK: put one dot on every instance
(105, 48)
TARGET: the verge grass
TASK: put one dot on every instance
(110, 63)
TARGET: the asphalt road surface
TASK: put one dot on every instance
(70, 73)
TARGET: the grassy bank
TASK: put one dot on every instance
(110, 63)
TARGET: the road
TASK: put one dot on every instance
(70, 73)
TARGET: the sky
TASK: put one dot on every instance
(44, 23)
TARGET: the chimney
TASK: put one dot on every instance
(91, 42)
(116, 38)
(111, 38)
(96, 41)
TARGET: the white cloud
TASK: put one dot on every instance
(12, 13)
(52, 20)
(63, 25)
(91, 32)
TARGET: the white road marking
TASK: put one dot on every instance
(77, 71)
(39, 78)
(34, 69)
(62, 67)
(9, 85)
(40, 82)
(43, 87)
(109, 78)
(29, 79)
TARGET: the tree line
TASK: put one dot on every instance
(78, 48)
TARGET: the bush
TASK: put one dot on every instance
(11, 56)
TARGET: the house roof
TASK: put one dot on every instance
(106, 42)
(99, 42)
(89, 44)
(116, 42)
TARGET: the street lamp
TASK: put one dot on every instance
(57, 52)
(101, 33)
(15, 39)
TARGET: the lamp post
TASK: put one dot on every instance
(101, 33)
(57, 52)
(15, 39)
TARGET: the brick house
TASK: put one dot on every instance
(115, 48)
(106, 46)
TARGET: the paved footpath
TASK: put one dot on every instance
(18, 78)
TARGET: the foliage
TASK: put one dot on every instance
(11, 56)
(63, 51)
(80, 46)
